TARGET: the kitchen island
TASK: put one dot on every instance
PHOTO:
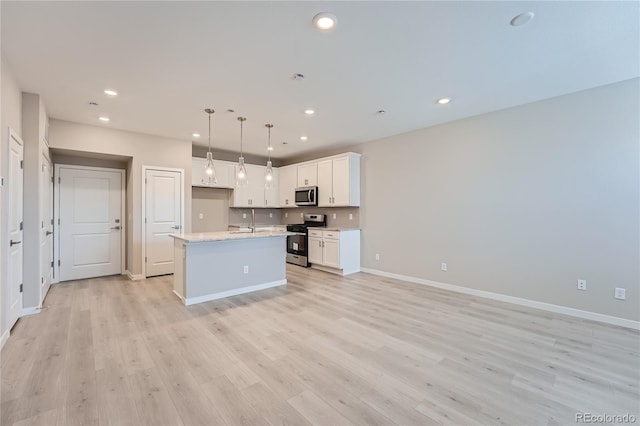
(214, 265)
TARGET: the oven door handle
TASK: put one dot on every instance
(298, 233)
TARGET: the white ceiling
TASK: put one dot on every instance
(170, 60)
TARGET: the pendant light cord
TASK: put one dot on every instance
(209, 132)
(269, 126)
(241, 122)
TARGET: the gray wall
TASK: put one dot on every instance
(521, 202)
(11, 116)
(213, 205)
(144, 150)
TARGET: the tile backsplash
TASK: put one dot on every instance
(263, 216)
(341, 220)
(287, 216)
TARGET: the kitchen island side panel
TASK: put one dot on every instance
(218, 266)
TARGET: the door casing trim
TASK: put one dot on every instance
(144, 208)
(56, 214)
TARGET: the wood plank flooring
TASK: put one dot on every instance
(324, 350)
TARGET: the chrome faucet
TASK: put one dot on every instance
(253, 220)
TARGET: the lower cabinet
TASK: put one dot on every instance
(335, 251)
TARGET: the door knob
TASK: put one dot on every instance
(14, 243)
(116, 227)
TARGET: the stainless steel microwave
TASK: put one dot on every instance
(307, 196)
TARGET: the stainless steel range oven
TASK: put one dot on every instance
(297, 243)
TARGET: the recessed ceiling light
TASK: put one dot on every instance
(93, 103)
(444, 101)
(110, 92)
(381, 111)
(196, 135)
(105, 119)
(522, 19)
(298, 76)
(303, 138)
(231, 110)
(325, 21)
(309, 111)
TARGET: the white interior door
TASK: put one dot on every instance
(91, 234)
(15, 176)
(163, 216)
(46, 227)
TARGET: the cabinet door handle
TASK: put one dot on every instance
(115, 227)
(48, 233)
(176, 227)
(14, 243)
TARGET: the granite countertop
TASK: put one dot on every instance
(329, 228)
(203, 237)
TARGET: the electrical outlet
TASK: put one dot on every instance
(334, 216)
(620, 293)
(246, 269)
(286, 215)
(244, 215)
(350, 216)
(270, 215)
(443, 267)
(377, 256)
(200, 216)
(582, 284)
(302, 215)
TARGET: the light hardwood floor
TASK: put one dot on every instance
(323, 350)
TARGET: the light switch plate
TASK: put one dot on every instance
(350, 216)
(244, 215)
(335, 216)
(620, 293)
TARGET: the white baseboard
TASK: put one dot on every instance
(179, 297)
(4, 338)
(30, 311)
(229, 293)
(607, 319)
(334, 270)
(133, 277)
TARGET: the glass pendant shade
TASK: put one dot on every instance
(209, 171)
(241, 177)
(268, 173)
(209, 167)
(268, 176)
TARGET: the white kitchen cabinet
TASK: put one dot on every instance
(334, 251)
(339, 181)
(288, 180)
(254, 194)
(308, 175)
(224, 173)
(315, 255)
(251, 194)
(272, 195)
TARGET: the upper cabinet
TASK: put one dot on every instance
(339, 181)
(288, 183)
(308, 174)
(224, 173)
(254, 194)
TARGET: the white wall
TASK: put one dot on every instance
(145, 150)
(11, 116)
(521, 202)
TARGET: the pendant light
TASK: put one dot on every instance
(209, 168)
(241, 176)
(268, 174)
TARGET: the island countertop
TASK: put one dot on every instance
(203, 237)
